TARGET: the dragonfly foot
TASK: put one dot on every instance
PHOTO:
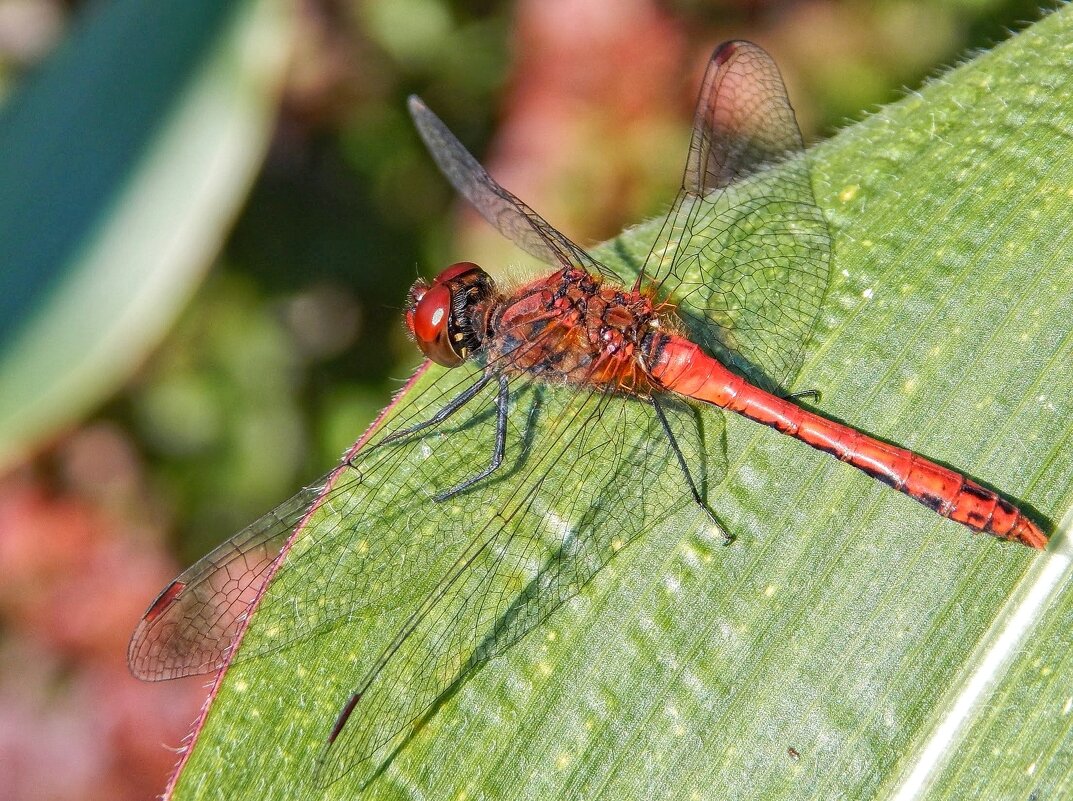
(728, 538)
(811, 394)
(716, 524)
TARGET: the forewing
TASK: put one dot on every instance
(745, 251)
(351, 555)
(190, 628)
(509, 215)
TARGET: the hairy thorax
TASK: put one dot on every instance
(571, 328)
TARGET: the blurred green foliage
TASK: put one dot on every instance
(295, 342)
(122, 161)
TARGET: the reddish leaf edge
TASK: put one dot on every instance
(190, 741)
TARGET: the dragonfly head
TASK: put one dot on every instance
(446, 317)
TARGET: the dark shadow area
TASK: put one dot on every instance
(511, 627)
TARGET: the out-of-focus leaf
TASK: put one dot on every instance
(825, 654)
(122, 162)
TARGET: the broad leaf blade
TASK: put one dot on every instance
(122, 162)
(816, 656)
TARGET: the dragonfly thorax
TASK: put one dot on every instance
(571, 327)
(447, 318)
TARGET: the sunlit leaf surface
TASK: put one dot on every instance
(821, 654)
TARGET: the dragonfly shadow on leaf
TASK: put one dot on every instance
(712, 467)
(579, 551)
(597, 475)
(489, 648)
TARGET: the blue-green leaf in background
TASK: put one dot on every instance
(122, 162)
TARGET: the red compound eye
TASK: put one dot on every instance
(440, 315)
(428, 318)
(455, 270)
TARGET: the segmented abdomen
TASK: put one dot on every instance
(681, 366)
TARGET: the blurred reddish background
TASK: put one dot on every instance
(578, 106)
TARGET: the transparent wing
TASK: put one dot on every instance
(597, 473)
(507, 214)
(745, 251)
(191, 626)
(416, 592)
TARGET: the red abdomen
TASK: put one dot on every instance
(681, 366)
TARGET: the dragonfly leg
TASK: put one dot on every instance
(811, 394)
(502, 403)
(456, 403)
(727, 539)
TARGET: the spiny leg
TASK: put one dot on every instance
(453, 406)
(727, 539)
(811, 394)
(502, 402)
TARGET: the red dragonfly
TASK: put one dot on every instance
(603, 440)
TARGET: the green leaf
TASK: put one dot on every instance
(122, 162)
(831, 650)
